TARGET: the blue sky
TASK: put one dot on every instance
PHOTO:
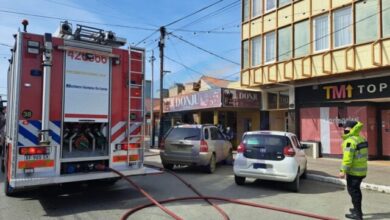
(216, 29)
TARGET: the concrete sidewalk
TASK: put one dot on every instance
(326, 170)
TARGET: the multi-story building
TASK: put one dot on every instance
(318, 63)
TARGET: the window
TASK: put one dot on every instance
(206, 133)
(184, 134)
(283, 2)
(386, 18)
(270, 5)
(215, 134)
(256, 51)
(245, 10)
(256, 8)
(284, 42)
(342, 24)
(270, 47)
(366, 21)
(301, 38)
(321, 33)
(245, 54)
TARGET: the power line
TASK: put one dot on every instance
(200, 48)
(5, 45)
(193, 13)
(180, 19)
(74, 20)
(214, 13)
(185, 66)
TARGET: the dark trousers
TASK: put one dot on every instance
(353, 186)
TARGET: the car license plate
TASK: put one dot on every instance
(259, 166)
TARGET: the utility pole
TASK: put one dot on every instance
(152, 59)
(161, 45)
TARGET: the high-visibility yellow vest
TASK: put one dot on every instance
(355, 152)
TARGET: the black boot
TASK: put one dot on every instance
(352, 210)
(354, 216)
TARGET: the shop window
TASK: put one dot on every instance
(245, 54)
(270, 5)
(366, 21)
(272, 100)
(321, 33)
(341, 115)
(257, 8)
(256, 51)
(386, 18)
(245, 10)
(270, 47)
(342, 27)
(301, 38)
(284, 43)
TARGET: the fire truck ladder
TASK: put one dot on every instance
(135, 116)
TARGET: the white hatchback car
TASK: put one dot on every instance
(270, 155)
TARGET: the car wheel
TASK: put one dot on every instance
(210, 168)
(229, 158)
(168, 166)
(304, 174)
(294, 186)
(239, 180)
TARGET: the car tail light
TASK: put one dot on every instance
(288, 151)
(129, 146)
(241, 148)
(33, 150)
(203, 146)
(162, 144)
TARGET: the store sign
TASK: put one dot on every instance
(197, 100)
(351, 90)
(241, 98)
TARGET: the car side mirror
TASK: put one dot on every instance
(305, 146)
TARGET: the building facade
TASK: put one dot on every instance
(214, 101)
(329, 58)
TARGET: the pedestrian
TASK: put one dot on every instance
(354, 165)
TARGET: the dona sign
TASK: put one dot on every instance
(198, 100)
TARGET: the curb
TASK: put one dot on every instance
(342, 182)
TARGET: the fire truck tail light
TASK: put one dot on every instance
(33, 150)
(33, 47)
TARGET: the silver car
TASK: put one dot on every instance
(200, 145)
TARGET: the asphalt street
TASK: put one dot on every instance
(99, 201)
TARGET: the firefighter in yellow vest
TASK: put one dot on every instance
(354, 166)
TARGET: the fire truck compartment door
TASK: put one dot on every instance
(87, 78)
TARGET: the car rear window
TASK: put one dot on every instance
(269, 142)
(184, 134)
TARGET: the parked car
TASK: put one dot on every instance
(200, 145)
(270, 155)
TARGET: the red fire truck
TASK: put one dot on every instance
(75, 101)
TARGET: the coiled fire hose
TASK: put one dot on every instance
(154, 202)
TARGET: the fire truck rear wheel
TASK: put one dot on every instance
(8, 190)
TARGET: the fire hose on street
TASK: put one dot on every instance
(154, 202)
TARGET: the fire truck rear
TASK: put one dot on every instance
(75, 102)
